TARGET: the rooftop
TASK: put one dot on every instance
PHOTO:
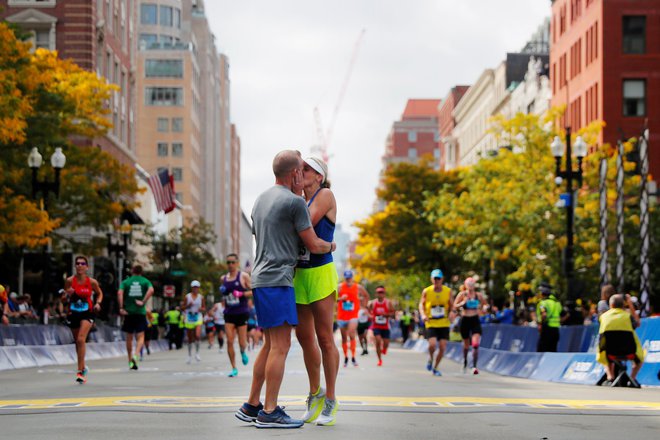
(421, 108)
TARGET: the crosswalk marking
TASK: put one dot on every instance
(299, 401)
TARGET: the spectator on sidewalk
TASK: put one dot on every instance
(614, 323)
(3, 301)
(548, 313)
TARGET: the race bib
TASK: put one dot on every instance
(303, 254)
(437, 312)
(231, 300)
(381, 320)
(79, 306)
(348, 306)
(192, 317)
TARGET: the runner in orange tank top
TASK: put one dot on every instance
(349, 300)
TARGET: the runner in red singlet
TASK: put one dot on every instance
(381, 311)
(78, 293)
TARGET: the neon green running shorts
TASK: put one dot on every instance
(316, 283)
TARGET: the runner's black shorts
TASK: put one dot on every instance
(238, 320)
(382, 332)
(73, 318)
(437, 332)
(219, 327)
(134, 323)
(363, 327)
(470, 325)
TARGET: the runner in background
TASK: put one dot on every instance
(193, 307)
(218, 312)
(79, 291)
(470, 302)
(381, 311)
(351, 297)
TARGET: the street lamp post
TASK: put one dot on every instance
(57, 161)
(120, 249)
(569, 175)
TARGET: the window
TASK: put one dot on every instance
(164, 68)
(179, 197)
(41, 39)
(148, 40)
(177, 125)
(177, 149)
(166, 17)
(163, 124)
(177, 174)
(412, 136)
(412, 153)
(162, 149)
(177, 18)
(634, 34)
(148, 13)
(634, 97)
(163, 96)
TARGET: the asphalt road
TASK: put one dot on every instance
(169, 399)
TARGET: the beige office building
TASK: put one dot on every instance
(183, 114)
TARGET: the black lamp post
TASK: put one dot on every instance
(120, 249)
(569, 175)
(57, 161)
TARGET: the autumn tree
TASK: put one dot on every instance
(46, 101)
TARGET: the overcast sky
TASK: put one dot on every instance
(289, 56)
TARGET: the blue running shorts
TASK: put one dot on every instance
(275, 306)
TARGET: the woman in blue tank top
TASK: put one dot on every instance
(315, 284)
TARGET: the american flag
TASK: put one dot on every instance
(162, 185)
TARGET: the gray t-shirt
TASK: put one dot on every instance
(277, 217)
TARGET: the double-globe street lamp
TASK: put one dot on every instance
(57, 161)
(569, 175)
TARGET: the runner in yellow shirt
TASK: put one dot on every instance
(434, 307)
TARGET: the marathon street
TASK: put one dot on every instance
(166, 398)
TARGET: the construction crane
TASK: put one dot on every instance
(324, 138)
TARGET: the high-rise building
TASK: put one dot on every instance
(184, 124)
(604, 64)
(98, 35)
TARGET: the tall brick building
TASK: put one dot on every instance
(97, 35)
(604, 64)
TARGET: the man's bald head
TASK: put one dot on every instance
(285, 162)
(617, 301)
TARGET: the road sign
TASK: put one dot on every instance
(169, 290)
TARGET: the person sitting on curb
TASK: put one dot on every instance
(615, 321)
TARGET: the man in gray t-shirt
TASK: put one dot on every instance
(280, 221)
(278, 216)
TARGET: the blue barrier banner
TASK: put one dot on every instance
(649, 335)
(20, 357)
(64, 354)
(42, 355)
(551, 366)
(583, 369)
(5, 363)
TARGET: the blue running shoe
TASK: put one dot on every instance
(248, 413)
(234, 373)
(244, 358)
(436, 372)
(277, 419)
(429, 365)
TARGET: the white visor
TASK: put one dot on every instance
(313, 162)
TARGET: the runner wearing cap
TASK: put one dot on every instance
(470, 301)
(350, 298)
(434, 307)
(193, 307)
(315, 284)
(381, 311)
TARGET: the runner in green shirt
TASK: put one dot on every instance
(138, 290)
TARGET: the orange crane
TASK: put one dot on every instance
(324, 138)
